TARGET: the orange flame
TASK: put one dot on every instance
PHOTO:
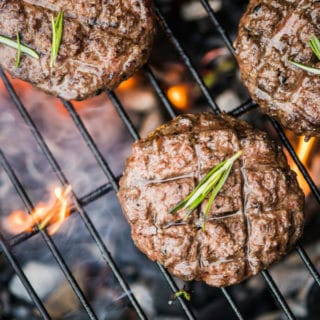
(303, 151)
(179, 96)
(52, 214)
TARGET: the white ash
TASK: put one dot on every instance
(193, 10)
(290, 274)
(228, 100)
(144, 295)
(151, 121)
(43, 278)
(139, 99)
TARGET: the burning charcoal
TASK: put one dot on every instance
(62, 300)
(4, 303)
(290, 275)
(313, 306)
(38, 274)
(24, 312)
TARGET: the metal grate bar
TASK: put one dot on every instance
(84, 201)
(56, 168)
(91, 144)
(187, 61)
(244, 108)
(54, 250)
(308, 263)
(168, 277)
(13, 262)
(234, 307)
(278, 296)
(174, 288)
(165, 101)
(218, 26)
(99, 158)
(294, 156)
(126, 120)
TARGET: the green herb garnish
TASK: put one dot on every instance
(211, 183)
(182, 293)
(19, 50)
(57, 27)
(20, 47)
(314, 43)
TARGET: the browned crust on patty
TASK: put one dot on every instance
(104, 42)
(254, 221)
(271, 33)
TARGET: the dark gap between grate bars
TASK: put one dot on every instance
(54, 250)
(249, 105)
(85, 218)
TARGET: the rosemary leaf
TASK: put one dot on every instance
(18, 60)
(211, 183)
(306, 68)
(214, 194)
(24, 49)
(314, 43)
(184, 203)
(57, 28)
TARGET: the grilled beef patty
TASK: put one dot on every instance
(256, 218)
(270, 34)
(104, 42)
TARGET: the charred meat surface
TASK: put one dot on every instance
(103, 43)
(271, 33)
(256, 218)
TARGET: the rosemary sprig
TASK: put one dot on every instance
(18, 60)
(15, 45)
(182, 293)
(314, 43)
(57, 27)
(211, 183)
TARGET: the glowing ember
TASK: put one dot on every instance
(128, 84)
(52, 214)
(19, 85)
(303, 151)
(178, 95)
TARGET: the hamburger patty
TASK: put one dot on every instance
(271, 33)
(103, 43)
(256, 218)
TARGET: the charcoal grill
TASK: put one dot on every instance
(80, 203)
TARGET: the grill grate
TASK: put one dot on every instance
(7, 245)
